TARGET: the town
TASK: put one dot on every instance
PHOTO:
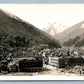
(34, 59)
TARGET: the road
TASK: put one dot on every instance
(47, 70)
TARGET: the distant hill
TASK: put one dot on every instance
(72, 32)
(14, 26)
(72, 35)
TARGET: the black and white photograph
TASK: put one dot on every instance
(42, 40)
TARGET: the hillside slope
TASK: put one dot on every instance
(10, 24)
(72, 32)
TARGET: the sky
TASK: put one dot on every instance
(41, 15)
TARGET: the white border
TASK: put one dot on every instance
(41, 78)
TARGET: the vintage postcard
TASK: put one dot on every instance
(41, 42)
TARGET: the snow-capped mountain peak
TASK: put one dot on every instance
(55, 28)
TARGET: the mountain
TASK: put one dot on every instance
(14, 26)
(72, 32)
(54, 29)
(73, 36)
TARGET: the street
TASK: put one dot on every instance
(47, 71)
